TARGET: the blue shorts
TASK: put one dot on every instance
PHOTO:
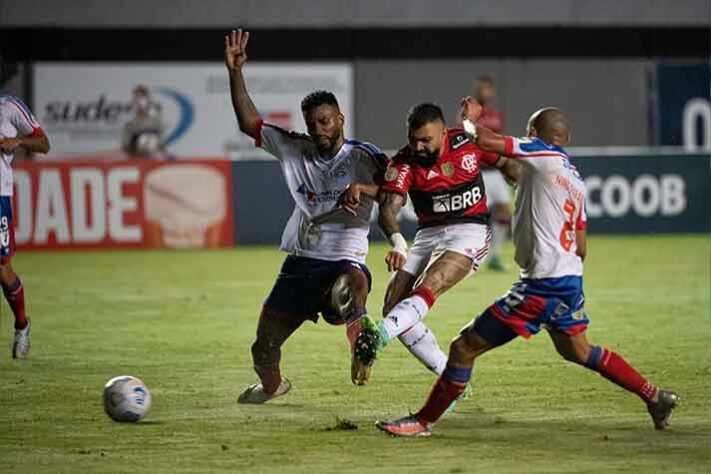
(303, 285)
(7, 230)
(554, 303)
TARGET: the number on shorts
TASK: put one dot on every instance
(516, 295)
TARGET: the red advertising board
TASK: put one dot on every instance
(123, 204)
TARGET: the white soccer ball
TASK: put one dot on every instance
(126, 398)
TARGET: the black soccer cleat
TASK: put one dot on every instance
(661, 409)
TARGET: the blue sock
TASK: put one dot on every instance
(458, 375)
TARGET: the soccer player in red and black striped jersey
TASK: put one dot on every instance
(439, 170)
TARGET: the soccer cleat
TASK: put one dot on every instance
(661, 409)
(255, 394)
(406, 426)
(21, 344)
(496, 264)
(365, 351)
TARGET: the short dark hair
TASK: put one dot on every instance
(485, 79)
(422, 114)
(317, 98)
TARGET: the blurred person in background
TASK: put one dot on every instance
(498, 194)
(142, 136)
(18, 129)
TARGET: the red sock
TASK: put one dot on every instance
(443, 393)
(616, 369)
(15, 296)
(352, 331)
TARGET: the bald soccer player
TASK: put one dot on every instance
(549, 231)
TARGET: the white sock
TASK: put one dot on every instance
(421, 343)
(498, 236)
(402, 317)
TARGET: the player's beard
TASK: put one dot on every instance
(326, 144)
(426, 158)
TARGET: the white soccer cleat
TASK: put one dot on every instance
(255, 394)
(21, 345)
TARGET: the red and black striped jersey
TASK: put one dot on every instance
(449, 191)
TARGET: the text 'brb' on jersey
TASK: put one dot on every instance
(451, 190)
(318, 228)
(550, 207)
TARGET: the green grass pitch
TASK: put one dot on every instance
(184, 322)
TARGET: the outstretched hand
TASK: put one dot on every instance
(236, 49)
(471, 109)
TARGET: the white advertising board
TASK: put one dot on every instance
(84, 106)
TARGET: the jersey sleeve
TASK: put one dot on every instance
(22, 119)
(398, 177)
(490, 158)
(276, 141)
(532, 151)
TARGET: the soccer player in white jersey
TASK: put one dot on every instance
(18, 128)
(325, 270)
(549, 231)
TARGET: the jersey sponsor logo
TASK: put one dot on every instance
(447, 168)
(399, 176)
(432, 174)
(456, 202)
(469, 163)
(458, 141)
(318, 198)
(95, 117)
(390, 174)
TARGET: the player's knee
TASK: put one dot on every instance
(348, 294)
(577, 354)
(461, 350)
(7, 274)
(434, 281)
(390, 302)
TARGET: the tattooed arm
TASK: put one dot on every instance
(390, 205)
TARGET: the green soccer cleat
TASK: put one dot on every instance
(496, 264)
(367, 345)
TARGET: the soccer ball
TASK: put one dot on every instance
(126, 398)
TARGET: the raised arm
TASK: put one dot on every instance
(480, 136)
(390, 204)
(235, 57)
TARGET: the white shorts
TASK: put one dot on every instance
(497, 190)
(471, 240)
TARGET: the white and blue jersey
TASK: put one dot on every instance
(16, 120)
(550, 207)
(318, 228)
